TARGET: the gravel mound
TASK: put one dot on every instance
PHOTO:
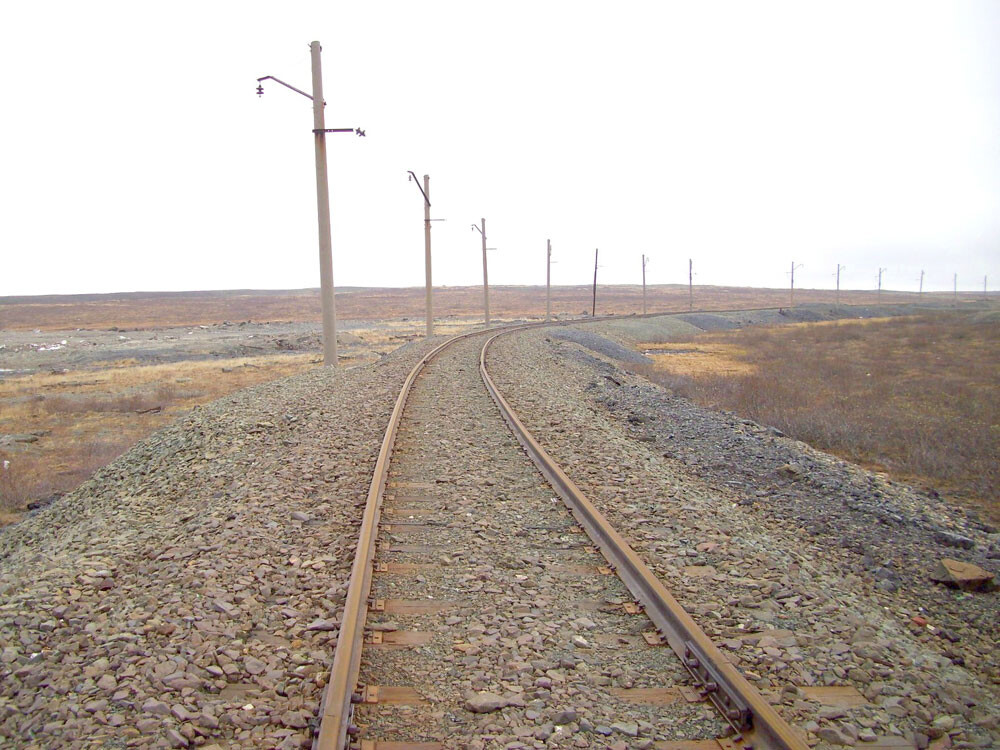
(656, 330)
(600, 344)
(190, 592)
(710, 322)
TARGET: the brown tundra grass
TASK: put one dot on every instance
(86, 418)
(916, 397)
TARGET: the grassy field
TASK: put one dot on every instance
(83, 419)
(917, 397)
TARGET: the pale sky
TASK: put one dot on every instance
(135, 155)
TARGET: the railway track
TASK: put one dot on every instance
(484, 605)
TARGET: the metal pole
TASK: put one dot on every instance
(486, 278)
(838, 283)
(593, 309)
(920, 293)
(690, 285)
(323, 206)
(427, 253)
(880, 286)
(548, 279)
(643, 284)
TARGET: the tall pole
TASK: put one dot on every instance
(690, 285)
(486, 278)
(920, 293)
(644, 284)
(838, 283)
(791, 291)
(548, 279)
(323, 213)
(880, 272)
(427, 253)
(593, 309)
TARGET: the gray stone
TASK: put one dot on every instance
(484, 703)
(630, 728)
(153, 706)
(950, 539)
(835, 736)
(565, 717)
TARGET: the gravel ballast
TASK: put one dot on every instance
(531, 646)
(189, 593)
(756, 532)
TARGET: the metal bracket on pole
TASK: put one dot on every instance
(260, 89)
(359, 131)
(427, 200)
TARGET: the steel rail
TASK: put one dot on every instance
(335, 709)
(335, 712)
(754, 722)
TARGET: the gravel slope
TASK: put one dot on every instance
(187, 593)
(754, 531)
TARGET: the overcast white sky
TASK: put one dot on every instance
(135, 155)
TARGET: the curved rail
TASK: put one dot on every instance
(740, 703)
(755, 723)
(335, 711)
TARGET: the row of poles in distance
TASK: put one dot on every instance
(323, 213)
(326, 255)
(323, 216)
(881, 271)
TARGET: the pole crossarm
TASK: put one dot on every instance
(413, 177)
(260, 90)
(359, 131)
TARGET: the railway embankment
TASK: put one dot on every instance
(755, 532)
(187, 593)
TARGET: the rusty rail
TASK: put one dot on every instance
(743, 707)
(754, 722)
(335, 711)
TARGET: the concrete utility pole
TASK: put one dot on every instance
(486, 278)
(690, 285)
(880, 272)
(427, 254)
(791, 293)
(322, 198)
(323, 206)
(426, 192)
(548, 279)
(920, 293)
(643, 284)
(839, 269)
(593, 309)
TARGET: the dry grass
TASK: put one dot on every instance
(86, 418)
(157, 310)
(917, 397)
